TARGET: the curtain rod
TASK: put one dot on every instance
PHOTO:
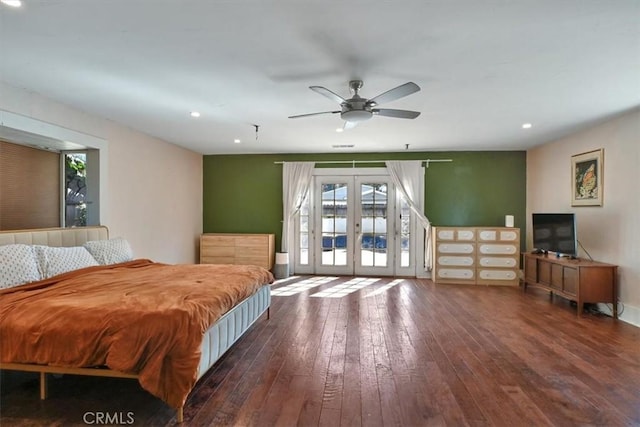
(354, 162)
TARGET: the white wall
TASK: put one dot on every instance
(610, 233)
(154, 189)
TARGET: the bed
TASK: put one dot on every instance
(164, 325)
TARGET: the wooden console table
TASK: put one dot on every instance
(579, 280)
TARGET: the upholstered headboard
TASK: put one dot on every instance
(66, 237)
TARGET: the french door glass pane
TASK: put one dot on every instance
(405, 233)
(304, 232)
(304, 249)
(334, 224)
(373, 245)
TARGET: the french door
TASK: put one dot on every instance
(354, 225)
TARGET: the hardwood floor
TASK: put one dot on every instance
(362, 352)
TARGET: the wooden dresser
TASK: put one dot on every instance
(476, 255)
(248, 249)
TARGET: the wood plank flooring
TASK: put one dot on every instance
(384, 352)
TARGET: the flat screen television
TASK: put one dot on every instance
(555, 232)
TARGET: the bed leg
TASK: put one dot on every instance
(43, 385)
(268, 313)
(180, 414)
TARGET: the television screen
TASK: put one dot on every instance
(555, 232)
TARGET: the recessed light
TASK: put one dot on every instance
(195, 114)
(12, 3)
(526, 126)
(339, 130)
(236, 141)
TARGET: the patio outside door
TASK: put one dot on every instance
(354, 225)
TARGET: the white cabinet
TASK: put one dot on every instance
(476, 255)
(455, 259)
(498, 256)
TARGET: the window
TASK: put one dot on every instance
(81, 188)
(75, 189)
(55, 142)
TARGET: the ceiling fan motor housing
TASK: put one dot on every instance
(356, 110)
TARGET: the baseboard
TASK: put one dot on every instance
(423, 274)
(630, 314)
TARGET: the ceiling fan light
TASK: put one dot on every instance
(356, 115)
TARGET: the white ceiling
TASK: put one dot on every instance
(485, 68)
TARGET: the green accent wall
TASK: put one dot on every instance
(243, 193)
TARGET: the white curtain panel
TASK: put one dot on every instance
(296, 178)
(407, 176)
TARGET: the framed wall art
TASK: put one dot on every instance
(587, 179)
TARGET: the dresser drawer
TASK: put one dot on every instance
(467, 274)
(459, 261)
(258, 241)
(498, 262)
(499, 235)
(497, 249)
(456, 248)
(456, 234)
(251, 251)
(209, 250)
(217, 260)
(497, 277)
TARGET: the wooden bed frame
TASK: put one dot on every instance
(216, 341)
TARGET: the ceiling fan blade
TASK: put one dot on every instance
(313, 114)
(399, 114)
(349, 125)
(395, 93)
(326, 92)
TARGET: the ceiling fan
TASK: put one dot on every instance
(357, 109)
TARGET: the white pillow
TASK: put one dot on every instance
(112, 251)
(18, 265)
(54, 261)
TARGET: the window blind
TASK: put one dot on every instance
(29, 187)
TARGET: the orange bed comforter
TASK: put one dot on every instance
(137, 317)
